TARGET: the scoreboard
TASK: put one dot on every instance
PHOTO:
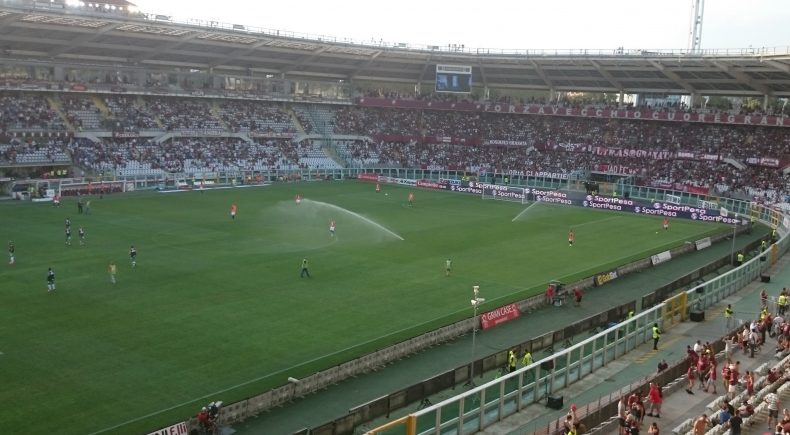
(453, 78)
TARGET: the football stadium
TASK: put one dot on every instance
(218, 228)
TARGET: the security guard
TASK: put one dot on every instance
(740, 259)
(782, 303)
(728, 315)
(656, 336)
(526, 359)
(511, 361)
(774, 234)
(630, 314)
(763, 246)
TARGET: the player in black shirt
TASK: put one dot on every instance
(133, 256)
(81, 233)
(11, 249)
(50, 280)
(68, 236)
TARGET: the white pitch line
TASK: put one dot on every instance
(596, 221)
(524, 211)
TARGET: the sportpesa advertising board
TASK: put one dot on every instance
(579, 199)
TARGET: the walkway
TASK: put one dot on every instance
(335, 401)
(641, 362)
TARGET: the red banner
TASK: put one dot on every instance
(429, 184)
(498, 316)
(650, 115)
(368, 177)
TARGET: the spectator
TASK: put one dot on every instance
(772, 401)
(701, 425)
(656, 397)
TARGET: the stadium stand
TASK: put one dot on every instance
(725, 159)
(81, 112)
(128, 115)
(255, 117)
(27, 112)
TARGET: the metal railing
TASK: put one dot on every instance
(371, 46)
(482, 406)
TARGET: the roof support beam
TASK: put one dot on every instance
(241, 52)
(542, 74)
(164, 47)
(674, 77)
(366, 65)
(424, 69)
(778, 65)
(607, 76)
(76, 43)
(304, 60)
(743, 78)
(483, 74)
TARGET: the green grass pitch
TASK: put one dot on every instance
(216, 309)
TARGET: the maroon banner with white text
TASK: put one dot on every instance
(654, 115)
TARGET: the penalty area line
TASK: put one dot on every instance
(524, 211)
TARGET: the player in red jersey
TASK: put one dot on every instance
(411, 199)
(233, 210)
(666, 223)
(378, 187)
(298, 198)
(571, 237)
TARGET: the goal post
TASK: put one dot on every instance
(708, 205)
(505, 193)
(672, 199)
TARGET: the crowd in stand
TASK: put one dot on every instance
(27, 111)
(542, 143)
(129, 116)
(187, 155)
(184, 114)
(45, 151)
(575, 102)
(741, 394)
(81, 111)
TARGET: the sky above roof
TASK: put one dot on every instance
(506, 24)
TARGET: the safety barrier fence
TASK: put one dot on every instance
(482, 406)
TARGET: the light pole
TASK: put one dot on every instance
(732, 250)
(476, 301)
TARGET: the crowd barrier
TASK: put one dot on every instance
(474, 410)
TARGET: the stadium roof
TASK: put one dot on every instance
(74, 36)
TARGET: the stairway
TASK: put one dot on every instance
(54, 104)
(140, 104)
(295, 120)
(215, 112)
(102, 106)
